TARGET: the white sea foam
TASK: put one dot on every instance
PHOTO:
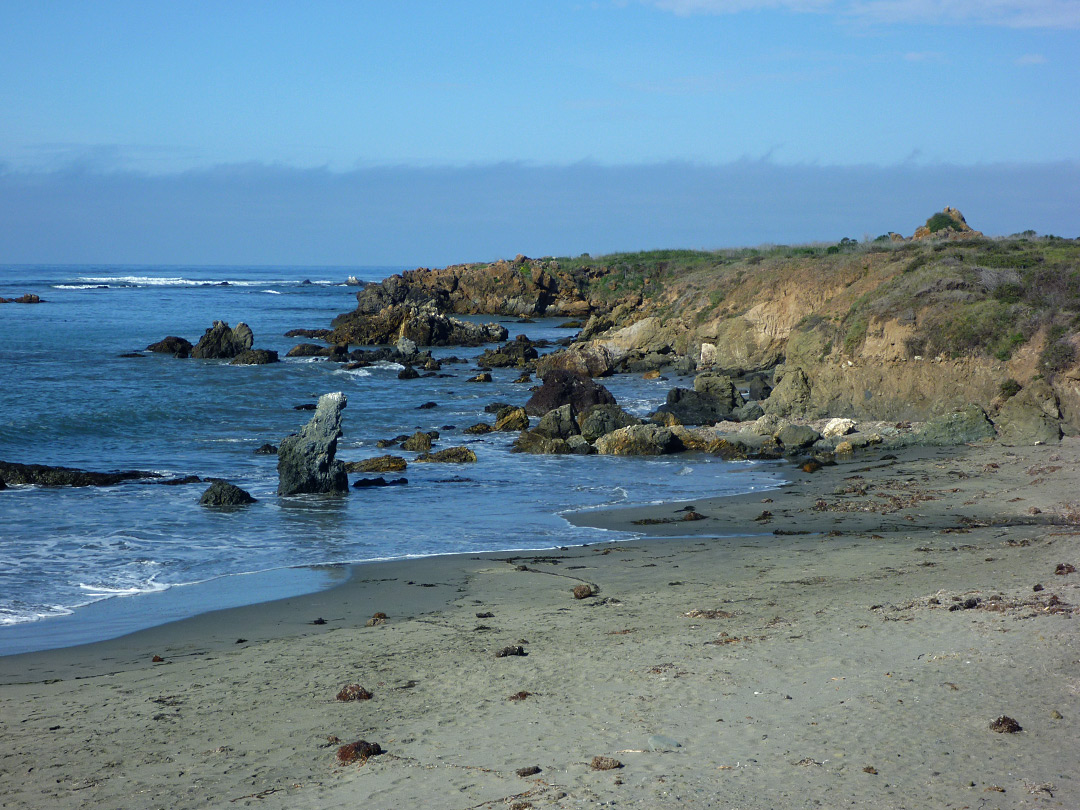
(105, 590)
(80, 286)
(272, 292)
(353, 372)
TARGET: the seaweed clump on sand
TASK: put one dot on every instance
(1005, 725)
(353, 691)
(358, 751)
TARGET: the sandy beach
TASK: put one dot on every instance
(846, 640)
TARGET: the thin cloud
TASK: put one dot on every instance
(1008, 13)
(1030, 59)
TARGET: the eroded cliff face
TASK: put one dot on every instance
(893, 329)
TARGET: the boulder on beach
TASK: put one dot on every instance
(222, 493)
(967, 424)
(306, 462)
(1030, 417)
(220, 342)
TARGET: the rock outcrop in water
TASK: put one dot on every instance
(223, 494)
(424, 325)
(306, 460)
(220, 342)
(45, 476)
(176, 346)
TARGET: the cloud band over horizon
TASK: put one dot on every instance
(406, 216)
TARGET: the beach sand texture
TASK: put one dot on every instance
(858, 665)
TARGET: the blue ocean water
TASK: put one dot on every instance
(70, 399)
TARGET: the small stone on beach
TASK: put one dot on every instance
(529, 770)
(605, 764)
(1005, 725)
(353, 691)
(513, 649)
(584, 591)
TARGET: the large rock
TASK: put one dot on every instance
(222, 493)
(520, 353)
(639, 440)
(45, 476)
(419, 442)
(385, 463)
(511, 419)
(451, 455)
(790, 396)
(1030, 417)
(721, 388)
(219, 342)
(423, 325)
(797, 437)
(254, 357)
(590, 359)
(601, 419)
(694, 407)
(564, 387)
(536, 443)
(558, 423)
(967, 424)
(306, 462)
(176, 346)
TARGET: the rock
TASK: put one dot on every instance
(266, 450)
(306, 462)
(797, 437)
(750, 412)
(564, 387)
(176, 346)
(405, 346)
(222, 493)
(844, 448)
(45, 476)
(28, 298)
(590, 359)
(419, 442)
(790, 396)
(536, 443)
(528, 770)
(424, 325)
(558, 423)
(759, 389)
(838, 427)
(482, 377)
(308, 350)
(451, 455)
(1005, 725)
(639, 440)
(408, 373)
(219, 342)
(584, 591)
(479, 429)
(967, 424)
(358, 751)
(518, 353)
(719, 387)
(385, 463)
(601, 419)
(1030, 417)
(689, 407)
(254, 357)
(605, 764)
(579, 446)
(525, 377)
(511, 419)
(362, 483)
(512, 650)
(315, 334)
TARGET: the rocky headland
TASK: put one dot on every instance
(892, 329)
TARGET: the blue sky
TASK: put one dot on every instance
(207, 102)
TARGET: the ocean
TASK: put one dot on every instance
(85, 564)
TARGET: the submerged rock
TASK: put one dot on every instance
(306, 462)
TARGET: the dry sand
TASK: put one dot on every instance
(793, 670)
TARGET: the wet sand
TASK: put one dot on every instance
(846, 640)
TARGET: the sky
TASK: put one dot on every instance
(425, 133)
